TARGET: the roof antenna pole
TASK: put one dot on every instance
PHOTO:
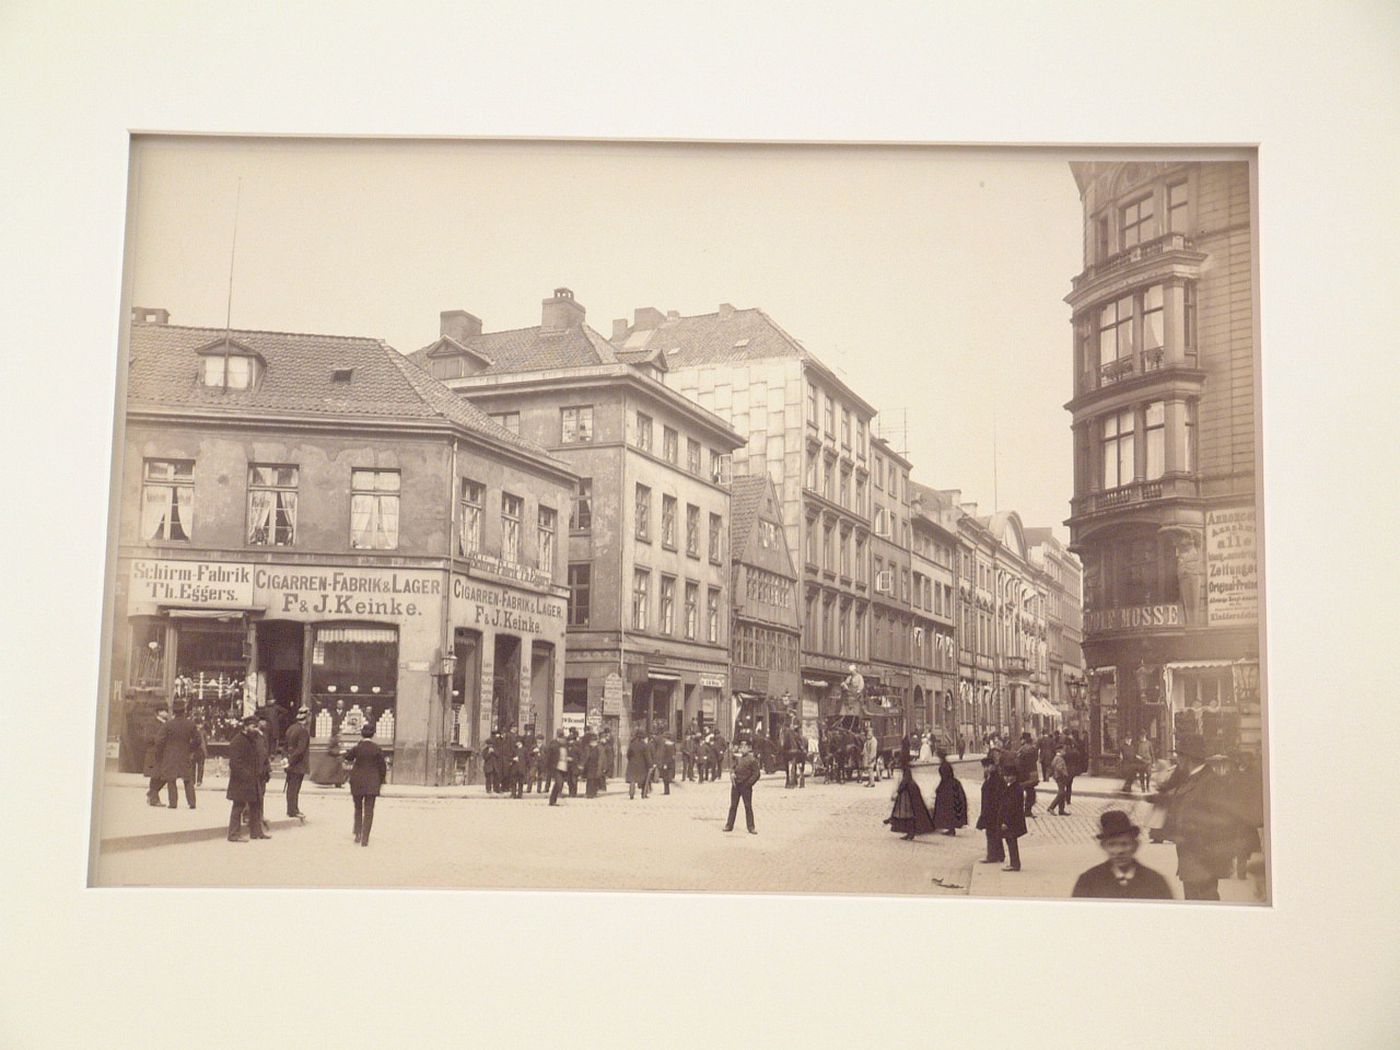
(232, 253)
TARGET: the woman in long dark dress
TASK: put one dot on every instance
(910, 815)
(949, 801)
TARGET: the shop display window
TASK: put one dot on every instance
(211, 665)
(354, 673)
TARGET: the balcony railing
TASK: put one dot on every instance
(1169, 242)
(1016, 664)
(1141, 363)
(1167, 486)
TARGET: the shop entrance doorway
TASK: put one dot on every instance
(280, 645)
(505, 687)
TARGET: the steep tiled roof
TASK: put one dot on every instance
(745, 497)
(532, 349)
(297, 381)
(718, 338)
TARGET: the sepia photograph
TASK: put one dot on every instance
(714, 517)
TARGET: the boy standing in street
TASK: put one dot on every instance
(1121, 877)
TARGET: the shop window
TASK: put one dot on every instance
(354, 672)
(580, 587)
(211, 667)
(667, 606)
(576, 425)
(668, 522)
(712, 616)
(167, 499)
(692, 530)
(544, 548)
(692, 609)
(146, 666)
(374, 509)
(716, 532)
(581, 510)
(473, 495)
(512, 512)
(670, 445)
(641, 593)
(272, 505)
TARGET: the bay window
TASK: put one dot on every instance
(1177, 202)
(1136, 223)
(1154, 439)
(1118, 449)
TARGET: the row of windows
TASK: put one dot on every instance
(642, 519)
(1116, 331)
(1138, 220)
(665, 623)
(836, 626)
(824, 477)
(830, 548)
(1121, 432)
(756, 646)
(769, 588)
(932, 596)
(168, 510)
(826, 421)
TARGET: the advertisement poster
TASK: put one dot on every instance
(1232, 567)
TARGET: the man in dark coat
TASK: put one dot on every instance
(245, 783)
(539, 765)
(575, 761)
(150, 767)
(1026, 759)
(515, 766)
(989, 819)
(743, 777)
(556, 760)
(1011, 813)
(592, 765)
(665, 756)
(177, 744)
(490, 763)
(297, 742)
(688, 756)
(1046, 754)
(1202, 820)
(638, 765)
(1074, 763)
(263, 743)
(367, 775)
(1121, 877)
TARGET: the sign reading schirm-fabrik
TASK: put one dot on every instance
(1134, 618)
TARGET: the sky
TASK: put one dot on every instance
(931, 279)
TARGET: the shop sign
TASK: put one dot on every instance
(612, 694)
(1232, 567)
(191, 584)
(492, 567)
(816, 683)
(712, 681)
(480, 605)
(305, 590)
(809, 710)
(707, 706)
(1134, 618)
(573, 720)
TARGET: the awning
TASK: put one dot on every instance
(664, 676)
(206, 614)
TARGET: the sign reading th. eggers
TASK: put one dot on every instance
(191, 583)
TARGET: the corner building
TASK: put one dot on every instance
(309, 520)
(648, 532)
(1164, 510)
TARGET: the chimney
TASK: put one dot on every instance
(560, 312)
(149, 315)
(647, 317)
(726, 311)
(621, 329)
(459, 325)
(673, 315)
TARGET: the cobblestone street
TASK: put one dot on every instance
(825, 838)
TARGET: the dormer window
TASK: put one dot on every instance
(228, 365)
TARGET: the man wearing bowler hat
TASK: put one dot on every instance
(1121, 877)
(297, 743)
(177, 744)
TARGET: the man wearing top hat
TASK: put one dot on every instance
(297, 743)
(1121, 877)
(1201, 820)
(177, 744)
(245, 782)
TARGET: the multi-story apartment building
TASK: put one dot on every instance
(934, 662)
(809, 432)
(1164, 510)
(309, 520)
(892, 577)
(1064, 622)
(766, 622)
(648, 532)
